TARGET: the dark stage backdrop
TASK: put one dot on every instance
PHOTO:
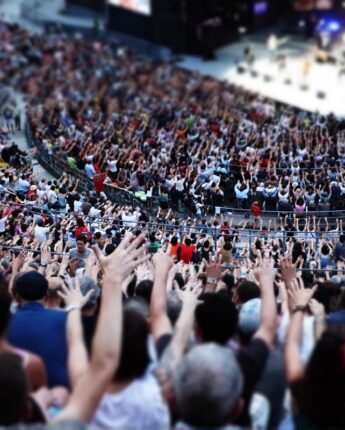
(95, 5)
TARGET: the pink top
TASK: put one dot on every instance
(300, 209)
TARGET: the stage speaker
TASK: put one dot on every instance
(241, 70)
(268, 78)
(254, 74)
(321, 95)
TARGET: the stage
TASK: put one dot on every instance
(323, 79)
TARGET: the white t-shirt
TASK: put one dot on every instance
(129, 220)
(41, 233)
(77, 205)
(138, 407)
(180, 185)
(112, 166)
(51, 196)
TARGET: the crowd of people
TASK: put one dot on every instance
(170, 134)
(124, 317)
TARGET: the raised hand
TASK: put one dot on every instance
(162, 261)
(129, 254)
(46, 255)
(265, 271)
(72, 295)
(299, 295)
(18, 262)
(190, 294)
(288, 270)
(213, 270)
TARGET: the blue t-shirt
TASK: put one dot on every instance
(43, 332)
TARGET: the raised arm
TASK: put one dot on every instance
(107, 341)
(77, 354)
(300, 298)
(174, 353)
(160, 323)
(265, 274)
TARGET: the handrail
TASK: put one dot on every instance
(184, 229)
(306, 214)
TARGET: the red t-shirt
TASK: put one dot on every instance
(82, 231)
(98, 180)
(226, 230)
(187, 253)
(256, 210)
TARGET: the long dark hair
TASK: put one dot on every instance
(324, 384)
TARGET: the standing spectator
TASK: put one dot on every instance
(17, 113)
(154, 245)
(256, 213)
(8, 117)
(32, 363)
(39, 330)
(81, 252)
(339, 250)
(40, 231)
(187, 250)
(89, 169)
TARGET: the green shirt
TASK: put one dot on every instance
(154, 247)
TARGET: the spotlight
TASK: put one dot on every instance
(334, 26)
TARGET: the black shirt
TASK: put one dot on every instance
(252, 360)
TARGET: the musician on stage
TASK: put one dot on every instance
(249, 55)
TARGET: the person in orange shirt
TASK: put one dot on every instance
(173, 246)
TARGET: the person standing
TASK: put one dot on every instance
(39, 330)
(17, 113)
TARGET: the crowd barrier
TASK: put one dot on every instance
(330, 270)
(237, 233)
(319, 214)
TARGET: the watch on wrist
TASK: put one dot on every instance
(212, 281)
(299, 309)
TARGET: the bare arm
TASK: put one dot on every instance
(268, 325)
(106, 346)
(300, 297)
(160, 323)
(174, 353)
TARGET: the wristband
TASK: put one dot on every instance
(299, 309)
(43, 264)
(71, 308)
